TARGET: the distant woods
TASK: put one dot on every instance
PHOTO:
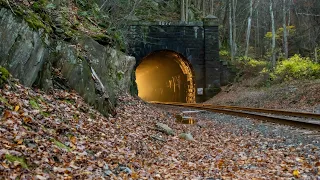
(264, 29)
(269, 29)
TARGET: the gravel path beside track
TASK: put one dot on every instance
(267, 150)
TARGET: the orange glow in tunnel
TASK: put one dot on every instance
(165, 76)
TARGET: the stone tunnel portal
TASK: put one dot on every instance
(165, 76)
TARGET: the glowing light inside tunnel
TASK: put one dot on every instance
(165, 76)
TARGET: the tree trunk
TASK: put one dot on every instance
(249, 29)
(211, 7)
(273, 45)
(234, 7)
(187, 10)
(224, 33)
(289, 13)
(257, 41)
(199, 4)
(203, 8)
(316, 54)
(183, 17)
(230, 31)
(285, 37)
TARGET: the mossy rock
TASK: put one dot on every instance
(102, 39)
(39, 5)
(35, 22)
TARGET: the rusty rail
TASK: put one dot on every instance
(256, 113)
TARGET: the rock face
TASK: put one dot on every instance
(96, 72)
(22, 50)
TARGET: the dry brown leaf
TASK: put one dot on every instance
(73, 139)
(27, 119)
(5, 165)
(20, 141)
(7, 114)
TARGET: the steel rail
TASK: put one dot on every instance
(260, 110)
(308, 124)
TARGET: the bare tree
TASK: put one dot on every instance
(273, 45)
(249, 28)
(187, 10)
(183, 14)
(211, 6)
(285, 37)
(203, 8)
(231, 31)
(234, 26)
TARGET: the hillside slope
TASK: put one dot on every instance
(298, 95)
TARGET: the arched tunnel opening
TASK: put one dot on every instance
(165, 76)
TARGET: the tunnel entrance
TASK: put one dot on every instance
(165, 76)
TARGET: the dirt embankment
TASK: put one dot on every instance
(299, 95)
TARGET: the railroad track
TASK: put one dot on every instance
(298, 119)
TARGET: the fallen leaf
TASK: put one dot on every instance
(7, 114)
(73, 139)
(41, 177)
(134, 175)
(20, 141)
(16, 108)
(5, 165)
(27, 119)
(296, 173)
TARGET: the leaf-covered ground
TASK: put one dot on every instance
(58, 136)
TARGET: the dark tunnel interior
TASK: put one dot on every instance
(165, 76)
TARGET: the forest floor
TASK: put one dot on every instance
(297, 95)
(58, 136)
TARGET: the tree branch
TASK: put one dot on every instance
(306, 14)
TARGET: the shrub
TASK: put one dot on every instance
(296, 67)
(224, 53)
(250, 66)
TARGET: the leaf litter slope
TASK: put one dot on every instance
(58, 136)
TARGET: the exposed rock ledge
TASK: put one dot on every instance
(96, 72)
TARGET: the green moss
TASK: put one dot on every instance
(20, 160)
(4, 101)
(70, 101)
(45, 114)
(4, 75)
(19, 11)
(39, 6)
(3, 3)
(35, 22)
(76, 117)
(70, 33)
(92, 115)
(102, 39)
(34, 104)
(61, 145)
(119, 75)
